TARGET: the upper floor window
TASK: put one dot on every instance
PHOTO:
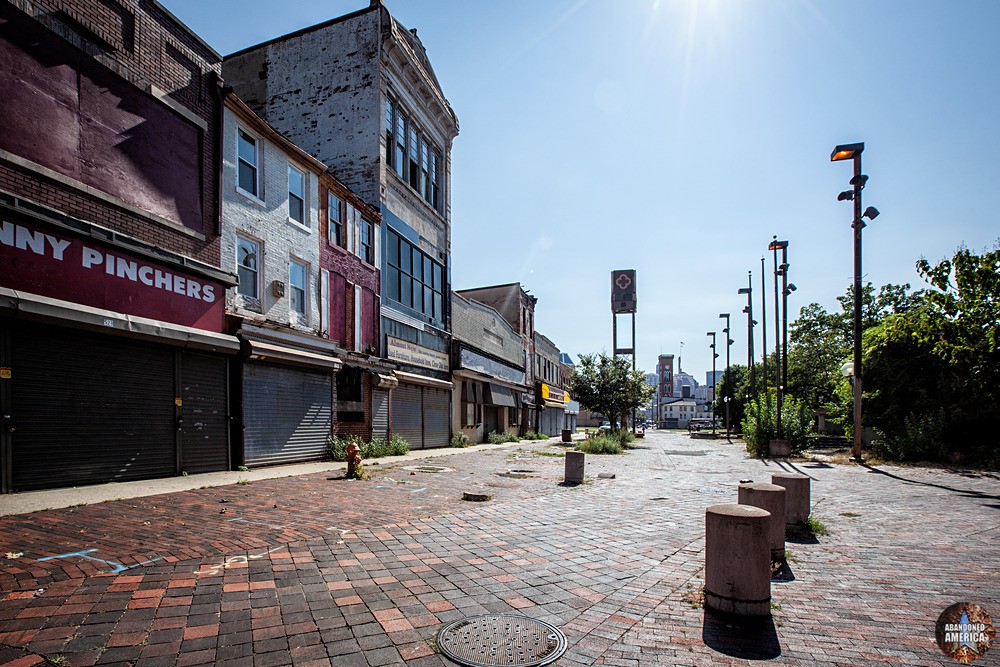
(361, 235)
(335, 219)
(413, 278)
(247, 267)
(297, 272)
(411, 155)
(296, 195)
(247, 163)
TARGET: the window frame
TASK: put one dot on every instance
(412, 155)
(340, 239)
(301, 198)
(256, 166)
(407, 281)
(258, 257)
(303, 313)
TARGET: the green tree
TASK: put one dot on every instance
(608, 385)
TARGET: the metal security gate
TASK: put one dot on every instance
(89, 409)
(407, 412)
(287, 414)
(204, 427)
(380, 413)
(437, 412)
(551, 421)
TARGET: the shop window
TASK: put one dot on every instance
(513, 416)
(471, 414)
(413, 278)
(350, 395)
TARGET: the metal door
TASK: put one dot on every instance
(204, 428)
(287, 414)
(89, 409)
(380, 413)
(437, 424)
(407, 411)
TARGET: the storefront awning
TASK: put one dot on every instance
(291, 355)
(67, 313)
(497, 395)
(413, 378)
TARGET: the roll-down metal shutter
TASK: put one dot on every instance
(437, 409)
(89, 409)
(406, 414)
(380, 413)
(204, 427)
(551, 421)
(287, 414)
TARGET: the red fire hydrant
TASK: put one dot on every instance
(353, 461)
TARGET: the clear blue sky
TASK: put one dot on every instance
(676, 136)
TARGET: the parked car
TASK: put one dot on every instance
(604, 426)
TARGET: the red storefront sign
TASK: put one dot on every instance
(57, 265)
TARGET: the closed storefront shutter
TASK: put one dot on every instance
(437, 409)
(287, 414)
(204, 426)
(551, 421)
(89, 409)
(380, 413)
(406, 414)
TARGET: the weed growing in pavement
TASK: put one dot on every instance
(812, 527)
(243, 469)
(558, 454)
(850, 515)
(460, 440)
(775, 606)
(499, 438)
(243, 482)
(184, 473)
(531, 435)
(374, 449)
(694, 597)
(58, 660)
(601, 444)
(790, 556)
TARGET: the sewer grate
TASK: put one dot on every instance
(428, 468)
(501, 640)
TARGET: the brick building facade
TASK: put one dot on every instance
(110, 276)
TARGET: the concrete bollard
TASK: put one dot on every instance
(567, 435)
(797, 503)
(574, 467)
(769, 497)
(737, 560)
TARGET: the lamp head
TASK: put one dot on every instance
(846, 195)
(777, 245)
(746, 309)
(847, 151)
(744, 290)
(871, 213)
(859, 181)
(723, 315)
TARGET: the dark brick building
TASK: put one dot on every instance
(113, 356)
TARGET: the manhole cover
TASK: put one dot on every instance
(428, 468)
(684, 452)
(495, 640)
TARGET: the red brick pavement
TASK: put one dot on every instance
(364, 573)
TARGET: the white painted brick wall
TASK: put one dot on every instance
(266, 220)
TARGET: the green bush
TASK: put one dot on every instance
(923, 438)
(761, 419)
(500, 437)
(460, 440)
(375, 449)
(531, 435)
(601, 444)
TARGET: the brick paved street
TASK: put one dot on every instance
(318, 571)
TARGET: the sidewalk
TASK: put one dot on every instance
(309, 570)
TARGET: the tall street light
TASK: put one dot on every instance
(729, 380)
(782, 271)
(748, 309)
(714, 357)
(853, 152)
(763, 325)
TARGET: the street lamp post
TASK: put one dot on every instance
(729, 380)
(714, 357)
(853, 152)
(748, 309)
(780, 343)
(763, 325)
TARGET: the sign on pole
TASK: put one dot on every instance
(623, 291)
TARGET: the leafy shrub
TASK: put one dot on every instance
(500, 437)
(460, 440)
(601, 444)
(531, 435)
(923, 438)
(760, 424)
(375, 449)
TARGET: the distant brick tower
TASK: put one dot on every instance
(665, 382)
